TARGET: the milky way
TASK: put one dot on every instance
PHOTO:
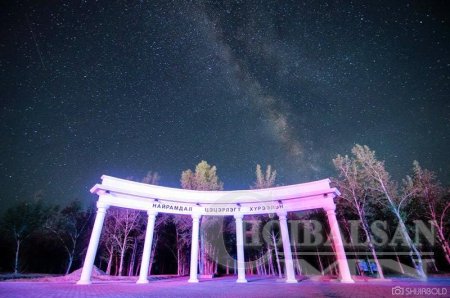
(120, 89)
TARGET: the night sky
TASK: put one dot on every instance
(111, 88)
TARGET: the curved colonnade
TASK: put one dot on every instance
(153, 199)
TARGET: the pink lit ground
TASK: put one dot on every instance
(219, 287)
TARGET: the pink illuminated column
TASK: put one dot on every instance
(290, 273)
(194, 248)
(86, 273)
(240, 248)
(338, 246)
(143, 274)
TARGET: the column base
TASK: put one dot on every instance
(291, 281)
(241, 280)
(347, 281)
(84, 282)
(192, 280)
(142, 281)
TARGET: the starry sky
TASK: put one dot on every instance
(124, 87)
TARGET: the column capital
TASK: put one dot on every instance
(282, 214)
(101, 206)
(152, 213)
(196, 216)
(238, 216)
(330, 209)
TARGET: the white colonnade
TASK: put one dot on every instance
(155, 199)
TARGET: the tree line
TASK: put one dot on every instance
(40, 237)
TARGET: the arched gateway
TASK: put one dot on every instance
(153, 199)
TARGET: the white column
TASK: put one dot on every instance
(289, 264)
(338, 246)
(143, 274)
(240, 248)
(194, 248)
(86, 273)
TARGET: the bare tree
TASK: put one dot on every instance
(123, 230)
(267, 180)
(264, 181)
(129, 222)
(431, 196)
(120, 224)
(380, 182)
(183, 229)
(110, 228)
(355, 192)
(205, 178)
(67, 226)
(151, 178)
(161, 220)
(22, 221)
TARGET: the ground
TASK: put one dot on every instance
(226, 287)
